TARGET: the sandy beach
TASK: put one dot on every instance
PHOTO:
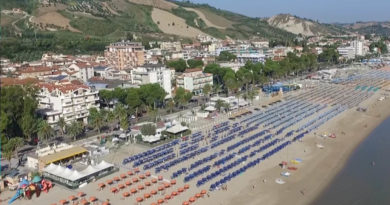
(256, 185)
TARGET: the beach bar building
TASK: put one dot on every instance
(62, 156)
(73, 178)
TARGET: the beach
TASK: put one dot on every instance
(320, 159)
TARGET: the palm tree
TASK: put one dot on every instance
(61, 124)
(75, 129)
(217, 88)
(45, 131)
(206, 90)
(171, 105)
(219, 104)
(110, 118)
(12, 147)
(96, 118)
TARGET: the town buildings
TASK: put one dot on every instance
(194, 80)
(125, 54)
(70, 100)
(153, 73)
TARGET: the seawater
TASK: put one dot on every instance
(365, 179)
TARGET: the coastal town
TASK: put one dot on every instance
(189, 121)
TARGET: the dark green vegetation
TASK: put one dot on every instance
(226, 79)
(226, 56)
(181, 65)
(380, 45)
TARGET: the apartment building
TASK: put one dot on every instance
(81, 70)
(125, 55)
(194, 80)
(153, 73)
(70, 100)
(347, 52)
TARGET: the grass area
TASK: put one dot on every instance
(7, 19)
(189, 16)
(25, 5)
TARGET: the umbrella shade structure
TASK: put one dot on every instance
(140, 187)
(187, 186)
(92, 199)
(147, 173)
(167, 185)
(109, 181)
(130, 173)
(147, 184)
(63, 201)
(198, 195)
(139, 199)
(133, 190)
(203, 192)
(37, 179)
(123, 176)
(192, 199)
(181, 189)
(136, 170)
(117, 179)
(121, 186)
(160, 201)
(114, 189)
(135, 180)
(154, 181)
(160, 178)
(160, 188)
(53, 204)
(146, 195)
(173, 182)
(141, 176)
(186, 203)
(174, 193)
(105, 203)
(126, 194)
(153, 203)
(72, 197)
(101, 185)
(80, 194)
(84, 202)
(153, 192)
(128, 183)
(168, 197)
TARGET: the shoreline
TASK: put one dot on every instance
(319, 167)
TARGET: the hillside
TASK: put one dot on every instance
(379, 28)
(301, 26)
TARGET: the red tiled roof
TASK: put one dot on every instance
(35, 69)
(190, 70)
(64, 88)
(17, 81)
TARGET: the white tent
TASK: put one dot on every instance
(177, 129)
(210, 108)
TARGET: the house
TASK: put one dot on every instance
(69, 100)
(35, 71)
(194, 80)
(82, 71)
(125, 54)
(153, 73)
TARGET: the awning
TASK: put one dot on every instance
(51, 158)
(177, 129)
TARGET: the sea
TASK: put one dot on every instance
(365, 179)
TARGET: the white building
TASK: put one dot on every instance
(358, 45)
(260, 44)
(82, 71)
(194, 80)
(253, 57)
(347, 52)
(70, 100)
(153, 73)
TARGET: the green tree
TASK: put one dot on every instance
(192, 63)
(45, 131)
(12, 147)
(96, 118)
(226, 56)
(207, 90)
(329, 55)
(219, 104)
(170, 105)
(148, 129)
(29, 125)
(179, 65)
(61, 124)
(182, 97)
(75, 129)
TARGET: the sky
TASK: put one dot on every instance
(325, 11)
